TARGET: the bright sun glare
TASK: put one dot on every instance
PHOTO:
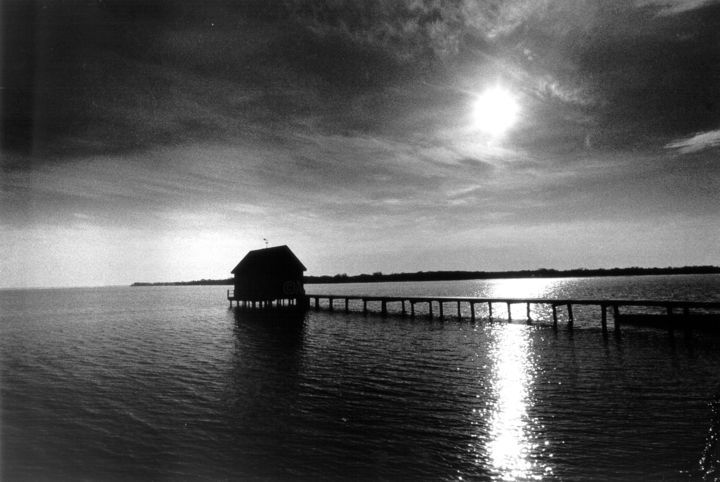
(495, 111)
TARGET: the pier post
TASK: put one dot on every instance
(403, 312)
(616, 319)
(347, 307)
(440, 306)
(317, 303)
(603, 318)
(687, 325)
(383, 307)
(330, 303)
(364, 306)
(412, 309)
(430, 308)
(554, 310)
(472, 311)
(509, 308)
(571, 319)
(490, 310)
(528, 312)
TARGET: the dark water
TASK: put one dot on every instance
(166, 383)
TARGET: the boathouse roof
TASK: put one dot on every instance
(275, 259)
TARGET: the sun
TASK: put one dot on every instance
(494, 111)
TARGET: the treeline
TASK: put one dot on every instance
(203, 282)
(538, 273)
(464, 275)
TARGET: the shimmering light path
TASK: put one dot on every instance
(511, 445)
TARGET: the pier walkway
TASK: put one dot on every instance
(674, 314)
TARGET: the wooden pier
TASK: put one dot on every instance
(267, 303)
(673, 314)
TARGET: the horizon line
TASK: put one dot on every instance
(716, 267)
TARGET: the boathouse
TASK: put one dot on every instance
(267, 275)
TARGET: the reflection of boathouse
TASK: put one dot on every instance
(269, 275)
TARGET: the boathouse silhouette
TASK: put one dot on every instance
(269, 275)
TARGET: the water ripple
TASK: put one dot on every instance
(168, 384)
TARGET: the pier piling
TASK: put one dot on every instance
(616, 319)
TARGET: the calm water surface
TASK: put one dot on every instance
(166, 383)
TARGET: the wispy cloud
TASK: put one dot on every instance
(674, 7)
(698, 142)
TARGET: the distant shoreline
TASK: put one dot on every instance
(467, 275)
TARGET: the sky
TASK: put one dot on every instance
(161, 140)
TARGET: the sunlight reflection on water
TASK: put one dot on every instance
(511, 445)
(524, 287)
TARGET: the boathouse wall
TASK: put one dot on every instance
(270, 273)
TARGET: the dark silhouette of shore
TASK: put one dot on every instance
(379, 277)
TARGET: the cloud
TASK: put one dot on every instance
(674, 7)
(133, 78)
(698, 142)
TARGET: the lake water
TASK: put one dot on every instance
(167, 383)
